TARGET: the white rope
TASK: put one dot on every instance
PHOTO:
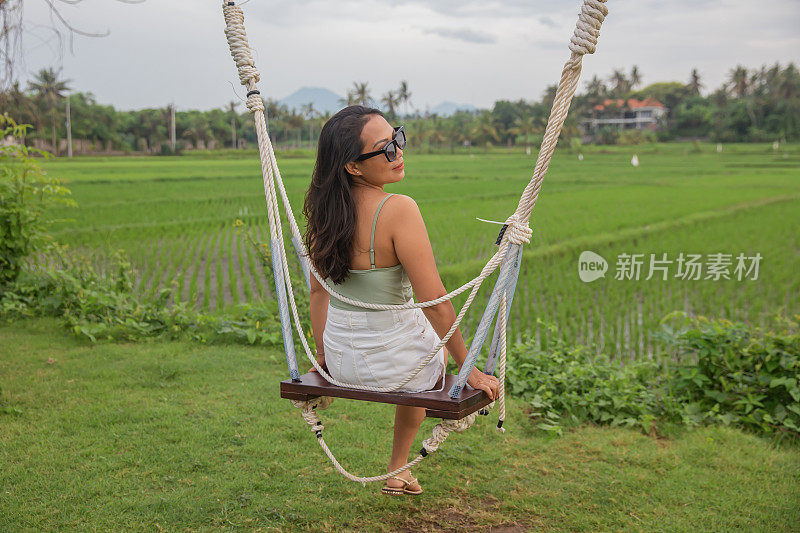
(438, 435)
(587, 29)
(237, 41)
(502, 363)
(583, 41)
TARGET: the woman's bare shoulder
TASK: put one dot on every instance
(401, 206)
(405, 219)
(413, 249)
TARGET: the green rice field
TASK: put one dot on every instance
(174, 217)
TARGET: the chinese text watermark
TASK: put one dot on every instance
(684, 266)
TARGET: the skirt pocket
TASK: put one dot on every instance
(394, 360)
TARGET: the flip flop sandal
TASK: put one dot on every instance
(404, 490)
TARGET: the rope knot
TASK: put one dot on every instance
(518, 232)
(308, 410)
(587, 29)
(237, 42)
(255, 103)
(443, 429)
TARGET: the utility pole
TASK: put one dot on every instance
(172, 126)
(232, 108)
(233, 133)
(69, 130)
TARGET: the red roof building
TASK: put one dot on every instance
(622, 114)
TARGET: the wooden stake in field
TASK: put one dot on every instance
(232, 108)
(172, 126)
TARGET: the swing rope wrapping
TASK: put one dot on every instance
(516, 230)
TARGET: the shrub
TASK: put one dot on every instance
(575, 145)
(634, 136)
(723, 372)
(737, 375)
(566, 385)
(105, 308)
(25, 192)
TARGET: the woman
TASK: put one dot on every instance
(376, 259)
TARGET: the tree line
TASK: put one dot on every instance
(761, 104)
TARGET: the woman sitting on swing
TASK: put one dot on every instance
(377, 260)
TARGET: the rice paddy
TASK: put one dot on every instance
(175, 219)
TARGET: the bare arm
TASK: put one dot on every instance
(413, 248)
(319, 315)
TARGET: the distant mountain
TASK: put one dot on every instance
(445, 109)
(324, 100)
(327, 101)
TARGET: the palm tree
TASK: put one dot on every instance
(295, 121)
(155, 126)
(595, 87)
(720, 100)
(349, 100)
(403, 95)
(361, 93)
(390, 100)
(22, 107)
(788, 83)
(788, 91)
(308, 110)
(166, 115)
(525, 126)
(485, 130)
(620, 83)
(739, 82)
(198, 128)
(772, 77)
(449, 131)
(636, 77)
(462, 135)
(50, 89)
(694, 82)
(310, 114)
(272, 109)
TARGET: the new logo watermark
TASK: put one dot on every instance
(591, 266)
(684, 266)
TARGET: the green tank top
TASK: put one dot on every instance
(387, 285)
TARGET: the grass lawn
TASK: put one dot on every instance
(179, 436)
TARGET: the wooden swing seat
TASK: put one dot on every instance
(437, 404)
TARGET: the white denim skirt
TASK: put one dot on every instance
(381, 348)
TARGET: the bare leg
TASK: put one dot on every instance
(407, 420)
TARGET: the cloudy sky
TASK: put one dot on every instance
(466, 51)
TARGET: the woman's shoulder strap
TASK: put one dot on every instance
(372, 235)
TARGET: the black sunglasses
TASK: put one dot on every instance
(390, 150)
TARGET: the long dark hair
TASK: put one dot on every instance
(329, 205)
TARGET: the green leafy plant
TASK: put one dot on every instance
(722, 372)
(106, 308)
(25, 192)
(566, 385)
(735, 374)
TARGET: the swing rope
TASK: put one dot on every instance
(514, 234)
